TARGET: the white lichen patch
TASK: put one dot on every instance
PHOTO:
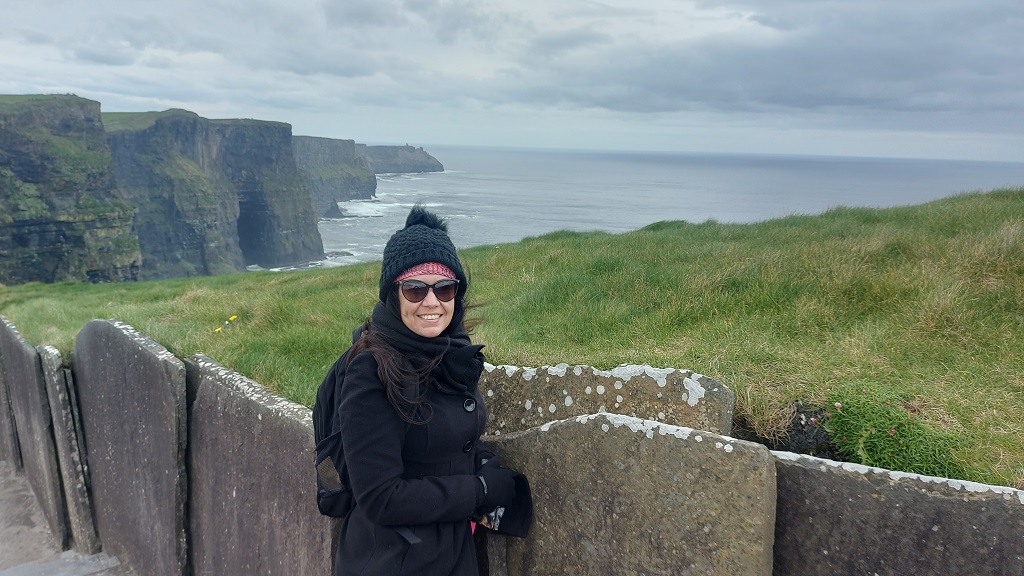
(529, 373)
(696, 391)
(552, 408)
(144, 342)
(577, 370)
(627, 371)
(252, 391)
(588, 389)
(568, 401)
(558, 369)
(529, 404)
(646, 427)
(600, 389)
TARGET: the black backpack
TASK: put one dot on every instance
(333, 492)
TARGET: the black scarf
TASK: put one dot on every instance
(458, 362)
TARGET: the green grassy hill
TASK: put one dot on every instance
(905, 325)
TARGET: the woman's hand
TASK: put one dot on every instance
(499, 484)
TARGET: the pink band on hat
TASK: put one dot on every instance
(427, 268)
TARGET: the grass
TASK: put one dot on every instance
(121, 121)
(912, 318)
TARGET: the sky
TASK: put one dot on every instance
(889, 78)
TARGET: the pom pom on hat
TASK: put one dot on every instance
(424, 239)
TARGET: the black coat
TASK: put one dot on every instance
(416, 478)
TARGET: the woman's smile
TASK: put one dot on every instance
(428, 317)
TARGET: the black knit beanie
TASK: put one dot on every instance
(424, 239)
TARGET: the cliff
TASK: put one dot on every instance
(334, 172)
(397, 159)
(214, 195)
(61, 216)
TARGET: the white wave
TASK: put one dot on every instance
(362, 208)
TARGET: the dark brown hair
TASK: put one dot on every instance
(403, 382)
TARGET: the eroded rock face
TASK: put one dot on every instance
(214, 195)
(334, 172)
(61, 215)
(398, 159)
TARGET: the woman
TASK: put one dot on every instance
(411, 418)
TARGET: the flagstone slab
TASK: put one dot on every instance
(843, 518)
(620, 495)
(252, 508)
(66, 434)
(131, 394)
(31, 409)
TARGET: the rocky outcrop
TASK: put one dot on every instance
(398, 159)
(214, 195)
(61, 215)
(334, 172)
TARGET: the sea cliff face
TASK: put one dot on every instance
(214, 195)
(398, 159)
(124, 196)
(334, 172)
(61, 215)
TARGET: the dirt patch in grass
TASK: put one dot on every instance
(804, 435)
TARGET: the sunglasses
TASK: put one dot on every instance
(415, 291)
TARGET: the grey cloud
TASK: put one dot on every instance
(819, 64)
(552, 44)
(106, 53)
(841, 58)
(361, 13)
(449, 19)
(33, 36)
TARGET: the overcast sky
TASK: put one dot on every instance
(910, 78)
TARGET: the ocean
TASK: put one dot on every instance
(492, 196)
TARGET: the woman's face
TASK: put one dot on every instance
(428, 317)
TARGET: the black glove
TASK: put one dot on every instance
(486, 459)
(499, 486)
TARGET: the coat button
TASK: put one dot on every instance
(467, 446)
(470, 405)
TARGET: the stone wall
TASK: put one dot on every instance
(842, 518)
(9, 450)
(252, 501)
(195, 469)
(619, 495)
(31, 411)
(67, 429)
(131, 392)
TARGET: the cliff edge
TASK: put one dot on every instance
(61, 215)
(334, 172)
(214, 196)
(398, 159)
